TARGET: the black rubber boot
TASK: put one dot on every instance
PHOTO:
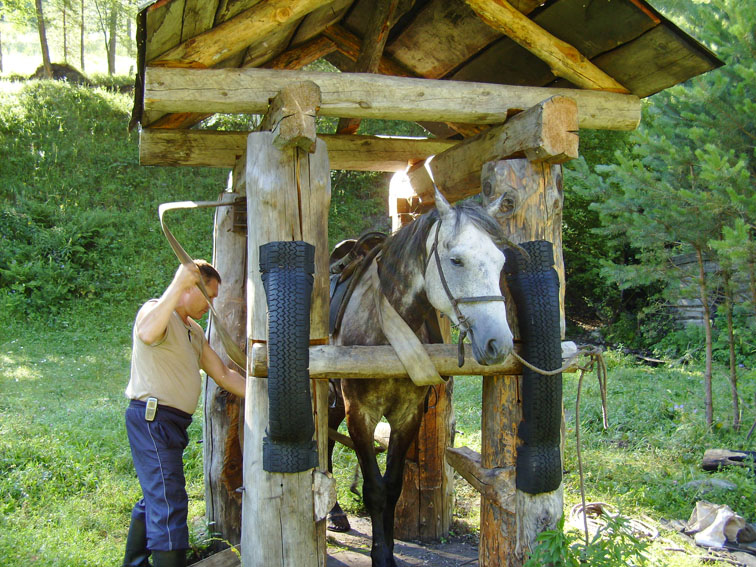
(136, 545)
(175, 558)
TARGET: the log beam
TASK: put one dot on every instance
(381, 362)
(546, 133)
(211, 148)
(564, 60)
(362, 95)
(496, 484)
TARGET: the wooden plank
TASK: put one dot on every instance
(227, 558)
(375, 96)
(547, 132)
(441, 36)
(371, 51)
(496, 484)
(657, 60)
(563, 59)
(199, 16)
(596, 27)
(210, 148)
(227, 9)
(249, 27)
(163, 27)
(381, 362)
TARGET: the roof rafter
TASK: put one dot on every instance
(252, 25)
(563, 59)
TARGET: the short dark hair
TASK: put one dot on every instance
(207, 271)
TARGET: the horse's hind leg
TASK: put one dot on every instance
(337, 518)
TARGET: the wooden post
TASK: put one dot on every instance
(425, 508)
(531, 210)
(222, 445)
(288, 196)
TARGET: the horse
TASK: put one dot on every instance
(450, 260)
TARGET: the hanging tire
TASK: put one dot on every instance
(287, 269)
(534, 285)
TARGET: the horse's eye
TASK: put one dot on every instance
(455, 261)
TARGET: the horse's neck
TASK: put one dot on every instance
(406, 293)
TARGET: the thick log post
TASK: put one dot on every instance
(223, 411)
(288, 196)
(425, 508)
(531, 210)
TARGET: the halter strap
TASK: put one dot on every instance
(462, 322)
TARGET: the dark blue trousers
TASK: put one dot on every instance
(157, 448)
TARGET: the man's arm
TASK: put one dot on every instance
(153, 322)
(224, 376)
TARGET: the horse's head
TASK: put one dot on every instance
(462, 277)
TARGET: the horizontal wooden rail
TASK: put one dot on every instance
(371, 362)
(497, 484)
(210, 148)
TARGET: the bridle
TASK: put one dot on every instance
(462, 322)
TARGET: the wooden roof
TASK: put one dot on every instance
(611, 45)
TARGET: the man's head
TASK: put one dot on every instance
(194, 302)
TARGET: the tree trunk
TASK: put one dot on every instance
(731, 344)
(43, 39)
(65, 35)
(709, 343)
(112, 41)
(1, 48)
(81, 37)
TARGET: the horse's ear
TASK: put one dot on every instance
(443, 206)
(493, 208)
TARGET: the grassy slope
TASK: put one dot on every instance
(66, 481)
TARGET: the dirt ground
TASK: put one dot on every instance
(352, 549)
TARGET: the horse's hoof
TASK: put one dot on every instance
(338, 522)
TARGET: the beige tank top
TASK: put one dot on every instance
(168, 370)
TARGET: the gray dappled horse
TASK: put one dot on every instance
(450, 260)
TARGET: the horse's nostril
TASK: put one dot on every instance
(491, 347)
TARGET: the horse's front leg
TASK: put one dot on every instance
(402, 435)
(361, 428)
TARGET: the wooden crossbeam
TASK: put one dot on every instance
(249, 27)
(546, 132)
(381, 362)
(209, 148)
(362, 95)
(563, 59)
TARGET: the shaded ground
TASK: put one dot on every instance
(352, 549)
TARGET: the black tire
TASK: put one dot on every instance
(287, 269)
(535, 289)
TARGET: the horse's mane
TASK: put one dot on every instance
(405, 249)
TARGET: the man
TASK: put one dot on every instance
(169, 349)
